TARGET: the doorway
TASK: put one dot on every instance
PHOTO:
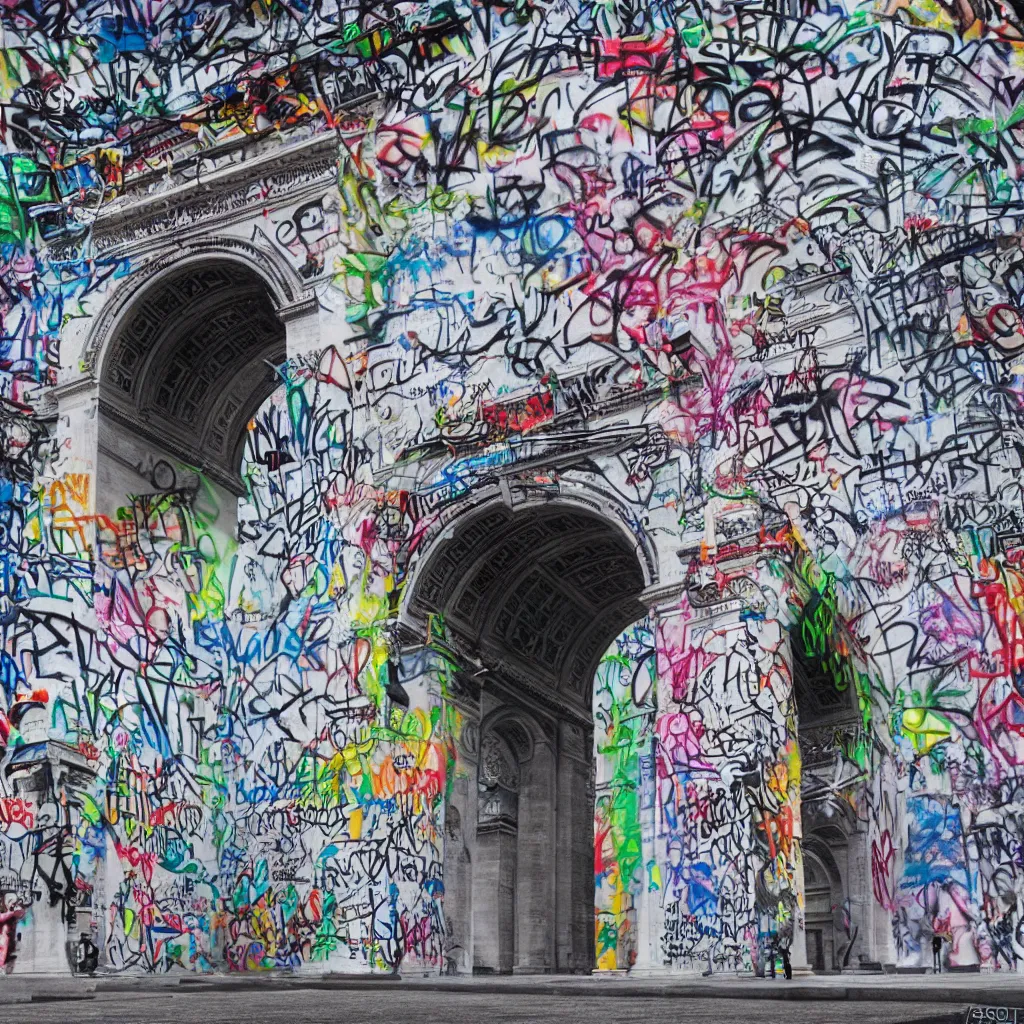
(819, 914)
(816, 955)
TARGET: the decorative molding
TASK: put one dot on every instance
(660, 594)
(86, 386)
(290, 174)
(736, 588)
(187, 158)
(498, 765)
(306, 306)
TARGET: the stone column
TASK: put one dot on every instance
(663, 604)
(573, 858)
(798, 948)
(302, 327)
(537, 852)
(461, 842)
(494, 898)
(877, 925)
(649, 958)
(77, 408)
(496, 870)
(727, 771)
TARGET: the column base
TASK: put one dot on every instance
(649, 971)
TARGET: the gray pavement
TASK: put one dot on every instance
(296, 999)
(415, 1004)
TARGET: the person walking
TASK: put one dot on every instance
(88, 955)
(937, 954)
(787, 967)
(12, 913)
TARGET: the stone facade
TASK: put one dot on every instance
(507, 489)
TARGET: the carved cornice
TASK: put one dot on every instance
(656, 597)
(297, 310)
(81, 387)
(281, 175)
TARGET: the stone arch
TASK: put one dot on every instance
(585, 496)
(288, 292)
(192, 360)
(180, 358)
(520, 730)
(434, 569)
(827, 941)
(524, 593)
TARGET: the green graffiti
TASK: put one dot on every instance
(623, 733)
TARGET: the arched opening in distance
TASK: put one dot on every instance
(827, 938)
(192, 360)
(530, 600)
(823, 712)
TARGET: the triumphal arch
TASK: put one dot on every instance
(467, 601)
(507, 494)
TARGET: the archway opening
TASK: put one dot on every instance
(191, 362)
(529, 601)
(828, 823)
(828, 938)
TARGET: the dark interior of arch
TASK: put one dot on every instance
(818, 701)
(193, 361)
(542, 590)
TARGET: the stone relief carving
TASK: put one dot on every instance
(498, 766)
(239, 193)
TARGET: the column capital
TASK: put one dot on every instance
(663, 598)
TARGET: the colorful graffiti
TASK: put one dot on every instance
(751, 274)
(624, 713)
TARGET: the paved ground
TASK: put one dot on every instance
(415, 1005)
(313, 998)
